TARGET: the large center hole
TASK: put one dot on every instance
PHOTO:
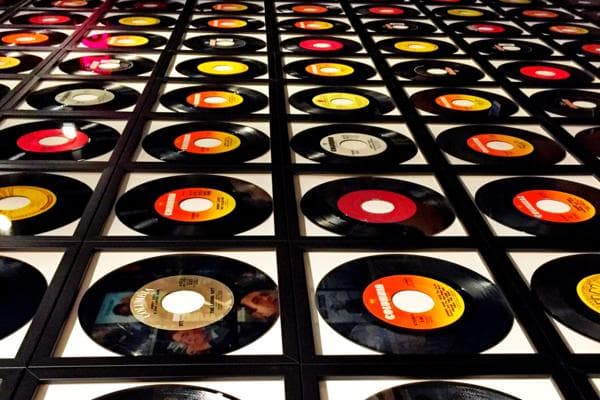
(330, 70)
(413, 301)
(353, 144)
(85, 97)
(377, 206)
(125, 41)
(437, 71)
(215, 100)
(208, 142)
(196, 204)
(341, 102)
(25, 39)
(54, 141)
(13, 203)
(110, 65)
(553, 206)
(463, 103)
(223, 68)
(416, 46)
(183, 302)
(322, 45)
(584, 104)
(498, 145)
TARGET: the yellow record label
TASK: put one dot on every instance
(214, 99)
(588, 290)
(463, 102)
(416, 46)
(127, 41)
(222, 67)
(9, 62)
(340, 101)
(465, 12)
(38, 201)
(139, 21)
(207, 142)
(313, 25)
(329, 69)
(227, 23)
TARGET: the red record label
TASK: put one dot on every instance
(52, 141)
(591, 48)
(540, 14)
(49, 19)
(205, 204)
(309, 9)
(377, 206)
(486, 28)
(545, 72)
(157, 5)
(554, 206)
(386, 10)
(321, 45)
(70, 3)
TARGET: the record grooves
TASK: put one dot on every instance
(440, 390)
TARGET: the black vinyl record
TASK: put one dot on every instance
(400, 27)
(220, 68)
(241, 304)
(431, 390)
(418, 47)
(500, 145)
(567, 30)
(53, 201)
(23, 288)
(206, 143)
(228, 24)
(92, 95)
(346, 102)
(123, 40)
(411, 210)
(31, 38)
(589, 139)
(314, 9)
(107, 65)
(167, 392)
(321, 45)
(313, 25)
(155, 208)
(48, 18)
(485, 28)
(542, 206)
(139, 21)
(15, 62)
(546, 73)
(149, 5)
(466, 313)
(540, 14)
(465, 13)
(589, 49)
(329, 71)
(71, 4)
(232, 7)
(353, 144)
(388, 11)
(203, 99)
(224, 44)
(569, 103)
(437, 71)
(57, 140)
(511, 49)
(464, 104)
(566, 287)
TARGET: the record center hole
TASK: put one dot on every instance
(183, 302)
(196, 204)
(341, 102)
(377, 206)
(84, 98)
(25, 39)
(413, 301)
(498, 145)
(223, 68)
(208, 142)
(545, 73)
(437, 71)
(330, 70)
(53, 141)
(463, 103)
(353, 144)
(416, 46)
(322, 45)
(215, 100)
(109, 65)
(553, 206)
(13, 203)
(584, 104)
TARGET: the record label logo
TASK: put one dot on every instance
(500, 145)
(52, 140)
(127, 41)
(49, 19)
(321, 45)
(194, 204)
(226, 23)
(84, 97)
(588, 290)
(340, 101)
(465, 12)
(569, 30)
(214, 99)
(545, 72)
(329, 69)
(207, 142)
(309, 9)
(25, 38)
(386, 10)
(9, 62)
(230, 7)
(416, 46)
(413, 302)
(353, 144)
(139, 21)
(463, 102)
(222, 67)
(377, 206)
(22, 202)
(554, 206)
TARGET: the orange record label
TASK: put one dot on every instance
(415, 46)
(588, 290)
(207, 142)
(463, 102)
(9, 62)
(554, 206)
(569, 29)
(500, 145)
(70, 3)
(127, 41)
(313, 25)
(340, 101)
(383, 299)
(309, 9)
(39, 200)
(139, 21)
(540, 14)
(194, 204)
(465, 12)
(25, 38)
(214, 99)
(226, 23)
(329, 69)
(222, 67)
(229, 7)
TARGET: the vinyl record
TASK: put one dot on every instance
(211, 99)
(464, 104)
(437, 71)
(71, 4)
(344, 207)
(123, 40)
(366, 301)
(546, 73)
(31, 38)
(57, 140)
(566, 30)
(167, 392)
(542, 206)
(130, 311)
(91, 95)
(567, 288)
(23, 288)
(465, 13)
(388, 11)
(224, 44)
(400, 27)
(589, 139)
(321, 45)
(48, 18)
(353, 144)
(511, 49)
(149, 5)
(316, 9)
(222, 68)
(107, 64)
(501, 146)
(228, 24)
(155, 208)
(4, 90)
(35, 203)
(485, 28)
(232, 7)
(313, 25)
(589, 48)
(440, 390)
(569, 103)
(15, 62)
(539, 14)
(139, 21)
(329, 71)
(418, 47)
(206, 143)
(342, 101)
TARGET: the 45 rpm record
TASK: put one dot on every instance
(344, 206)
(206, 143)
(321, 45)
(348, 102)
(589, 139)
(57, 140)
(228, 24)
(389, 11)
(353, 144)
(48, 18)
(222, 68)
(224, 44)
(546, 73)
(34, 203)
(72, 4)
(400, 27)
(566, 30)
(130, 310)
(309, 9)
(150, 5)
(92, 95)
(123, 40)
(366, 301)
(500, 145)
(567, 288)
(485, 28)
(313, 25)
(31, 38)
(160, 207)
(232, 7)
(511, 49)
(589, 48)
(569, 103)
(209, 99)
(417, 47)
(464, 104)
(465, 13)
(329, 71)
(542, 206)
(139, 21)
(107, 64)
(14, 62)
(440, 390)
(539, 14)
(438, 72)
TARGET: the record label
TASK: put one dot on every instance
(23, 202)
(214, 99)
(207, 142)
(49, 19)
(84, 97)
(313, 25)
(309, 9)
(9, 62)
(329, 69)
(463, 102)
(592, 48)
(230, 7)
(52, 141)
(105, 65)
(224, 23)
(377, 206)
(139, 21)
(415, 46)
(194, 204)
(500, 145)
(25, 38)
(554, 206)
(87, 95)
(437, 71)
(321, 45)
(418, 47)
(544, 14)
(127, 41)
(340, 101)
(223, 67)
(224, 44)
(465, 12)
(353, 144)
(588, 290)
(386, 10)
(544, 72)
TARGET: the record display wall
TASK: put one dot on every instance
(300, 200)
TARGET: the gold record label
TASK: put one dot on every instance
(40, 201)
(588, 290)
(139, 21)
(146, 303)
(9, 62)
(340, 101)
